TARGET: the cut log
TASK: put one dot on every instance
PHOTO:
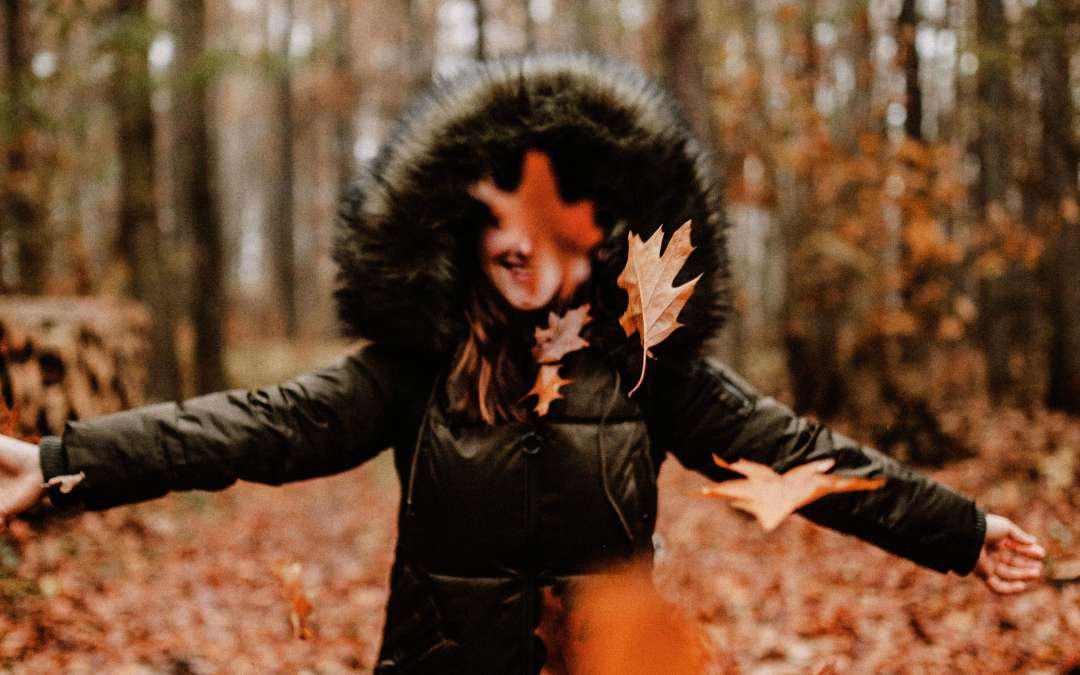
(68, 358)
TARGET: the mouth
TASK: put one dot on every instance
(517, 265)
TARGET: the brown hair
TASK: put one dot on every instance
(488, 377)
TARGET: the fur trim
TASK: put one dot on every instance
(613, 136)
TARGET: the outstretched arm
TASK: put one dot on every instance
(704, 409)
(316, 424)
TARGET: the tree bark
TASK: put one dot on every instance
(344, 127)
(138, 241)
(282, 248)
(907, 26)
(530, 27)
(197, 187)
(998, 325)
(1058, 188)
(993, 99)
(22, 191)
(681, 67)
(481, 20)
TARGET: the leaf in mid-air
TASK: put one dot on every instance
(654, 302)
(770, 497)
(547, 387)
(561, 336)
(562, 234)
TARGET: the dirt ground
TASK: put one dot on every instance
(187, 584)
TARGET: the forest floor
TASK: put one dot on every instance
(187, 584)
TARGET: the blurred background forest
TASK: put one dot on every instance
(901, 174)
(901, 178)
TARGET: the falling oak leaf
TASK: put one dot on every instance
(770, 497)
(562, 234)
(547, 387)
(654, 303)
(562, 335)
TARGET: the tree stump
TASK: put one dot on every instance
(68, 358)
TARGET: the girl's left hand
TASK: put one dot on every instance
(1010, 558)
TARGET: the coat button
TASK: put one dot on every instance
(531, 443)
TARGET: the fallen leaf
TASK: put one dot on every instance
(770, 497)
(653, 303)
(561, 336)
(299, 605)
(547, 387)
(66, 482)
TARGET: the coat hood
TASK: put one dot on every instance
(408, 227)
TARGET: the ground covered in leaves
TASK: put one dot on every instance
(192, 583)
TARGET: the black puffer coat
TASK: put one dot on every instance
(489, 516)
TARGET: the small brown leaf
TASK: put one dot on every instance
(299, 605)
(654, 303)
(770, 497)
(562, 335)
(547, 387)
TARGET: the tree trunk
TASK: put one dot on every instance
(681, 67)
(344, 127)
(418, 74)
(138, 240)
(999, 326)
(906, 28)
(282, 249)
(22, 192)
(196, 182)
(530, 27)
(1058, 195)
(481, 20)
(993, 100)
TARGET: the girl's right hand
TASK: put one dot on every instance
(21, 480)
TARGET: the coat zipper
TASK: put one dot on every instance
(531, 445)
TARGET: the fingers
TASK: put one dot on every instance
(1029, 549)
(1012, 573)
(1003, 587)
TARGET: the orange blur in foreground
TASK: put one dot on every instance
(617, 624)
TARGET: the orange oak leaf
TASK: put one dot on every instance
(547, 387)
(562, 335)
(654, 303)
(559, 337)
(770, 497)
(561, 234)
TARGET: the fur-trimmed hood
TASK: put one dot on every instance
(613, 136)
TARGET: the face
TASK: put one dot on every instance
(539, 247)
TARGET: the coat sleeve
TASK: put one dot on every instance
(704, 408)
(316, 424)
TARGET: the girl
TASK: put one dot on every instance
(504, 193)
